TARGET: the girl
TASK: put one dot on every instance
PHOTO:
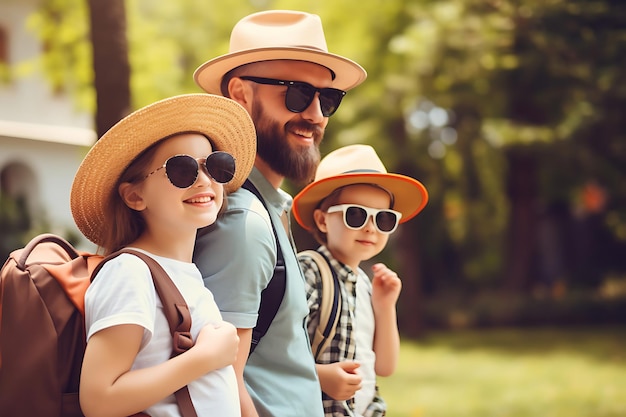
(149, 183)
(351, 208)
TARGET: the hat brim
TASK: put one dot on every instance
(225, 122)
(409, 194)
(348, 73)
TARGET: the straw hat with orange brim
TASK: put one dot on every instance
(226, 123)
(357, 164)
(278, 35)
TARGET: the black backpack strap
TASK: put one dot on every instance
(272, 295)
(176, 312)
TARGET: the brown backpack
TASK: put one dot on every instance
(42, 326)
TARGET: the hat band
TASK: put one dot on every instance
(363, 170)
(315, 48)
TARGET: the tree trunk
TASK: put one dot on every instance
(110, 62)
(521, 190)
(407, 250)
(410, 308)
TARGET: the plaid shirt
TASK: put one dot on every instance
(343, 345)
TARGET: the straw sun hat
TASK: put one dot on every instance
(224, 121)
(278, 34)
(357, 164)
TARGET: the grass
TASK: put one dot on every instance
(577, 372)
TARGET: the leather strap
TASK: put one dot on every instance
(177, 315)
(329, 310)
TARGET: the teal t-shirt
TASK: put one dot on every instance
(236, 256)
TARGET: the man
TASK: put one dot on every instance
(279, 69)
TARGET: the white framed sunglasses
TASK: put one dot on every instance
(355, 217)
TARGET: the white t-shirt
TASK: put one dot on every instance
(123, 293)
(364, 329)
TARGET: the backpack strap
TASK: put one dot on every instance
(272, 295)
(176, 312)
(329, 303)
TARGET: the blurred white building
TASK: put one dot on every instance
(42, 137)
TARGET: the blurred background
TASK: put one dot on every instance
(511, 112)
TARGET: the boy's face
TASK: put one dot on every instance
(353, 246)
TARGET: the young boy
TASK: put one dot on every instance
(351, 209)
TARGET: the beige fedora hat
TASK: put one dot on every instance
(222, 120)
(278, 34)
(357, 164)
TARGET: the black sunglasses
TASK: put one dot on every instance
(300, 95)
(183, 170)
(355, 217)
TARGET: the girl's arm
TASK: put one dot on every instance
(386, 288)
(109, 387)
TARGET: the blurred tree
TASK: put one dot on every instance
(66, 59)
(15, 223)
(85, 53)
(527, 87)
(520, 78)
(564, 90)
(163, 43)
(110, 62)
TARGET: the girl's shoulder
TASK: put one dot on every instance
(125, 262)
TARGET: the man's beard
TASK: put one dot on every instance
(274, 148)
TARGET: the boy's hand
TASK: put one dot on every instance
(386, 287)
(340, 380)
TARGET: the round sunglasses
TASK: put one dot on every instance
(183, 170)
(300, 95)
(355, 217)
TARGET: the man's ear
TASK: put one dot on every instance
(241, 92)
(131, 196)
(320, 220)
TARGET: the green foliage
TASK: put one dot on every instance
(63, 27)
(15, 222)
(169, 40)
